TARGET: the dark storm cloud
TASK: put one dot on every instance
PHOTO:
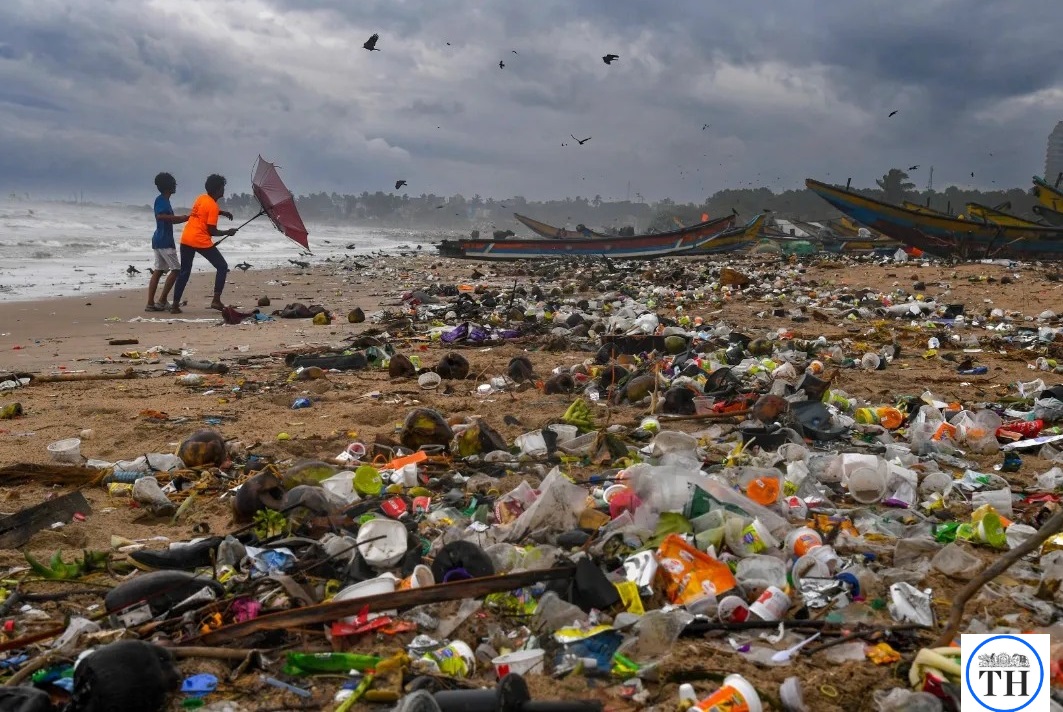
(104, 99)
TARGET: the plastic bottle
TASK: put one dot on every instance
(307, 663)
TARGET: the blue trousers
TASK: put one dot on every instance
(213, 256)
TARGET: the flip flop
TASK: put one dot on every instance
(153, 308)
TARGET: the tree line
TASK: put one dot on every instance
(458, 212)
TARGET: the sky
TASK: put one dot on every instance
(96, 98)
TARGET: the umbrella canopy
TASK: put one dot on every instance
(278, 203)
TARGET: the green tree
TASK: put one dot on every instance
(895, 185)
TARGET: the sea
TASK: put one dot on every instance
(52, 249)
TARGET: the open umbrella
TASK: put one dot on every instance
(278, 203)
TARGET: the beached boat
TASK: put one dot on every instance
(942, 235)
(997, 216)
(734, 239)
(557, 233)
(1049, 201)
(663, 244)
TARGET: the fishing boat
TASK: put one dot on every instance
(997, 216)
(662, 244)
(557, 233)
(942, 235)
(1049, 201)
(734, 239)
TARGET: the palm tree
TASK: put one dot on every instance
(895, 184)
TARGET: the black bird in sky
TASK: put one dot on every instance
(399, 184)
(243, 266)
(513, 51)
(581, 141)
(893, 112)
(501, 64)
(370, 44)
(704, 126)
(972, 174)
(131, 270)
(913, 168)
(610, 58)
(448, 44)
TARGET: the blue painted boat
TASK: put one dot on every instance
(663, 244)
(943, 235)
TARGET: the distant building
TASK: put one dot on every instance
(1054, 157)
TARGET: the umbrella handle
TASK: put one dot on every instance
(260, 214)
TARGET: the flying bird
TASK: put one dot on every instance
(581, 141)
(913, 168)
(370, 44)
(131, 270)
(610, 58)
(243, 266)
(501, 64)
(513, 51)
(972, 174)
(893, 112)
(448, 44)
(704, 126)
(399, 184)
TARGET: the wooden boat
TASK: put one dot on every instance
(557, 233)
(942, 235)
(1049, 201)
(997, 216)
(737, 238)
(663, 244)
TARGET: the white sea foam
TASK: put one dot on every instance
(62, 249)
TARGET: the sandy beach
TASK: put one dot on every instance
(252, 402)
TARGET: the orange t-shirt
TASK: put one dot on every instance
(204, 212)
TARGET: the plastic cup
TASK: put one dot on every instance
(429, 381)
(564, 432)
(736, 695)
(68, 450)
(367, 481)
(771, 605)
(867, 485)
(732, 609)
(800, 541)
(521, 662)
(382, 542)
(420, 578)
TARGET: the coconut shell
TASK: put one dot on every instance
(637, 388)
(263, 301)
(356, 316)
(205, 448)
(126, 675)
(453, 366)
(611, 375)
(261, 491)
(520, 369)
(769, 407)
(679, 400)
(401, 367)
(322, 319)
(561, 383)
(425, 426)
(675, 344)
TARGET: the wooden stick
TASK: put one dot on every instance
(327, 612)
(1002, 564)
(192, 651)
(706, 416)
(63, 377)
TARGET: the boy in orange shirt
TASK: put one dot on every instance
(196, 238)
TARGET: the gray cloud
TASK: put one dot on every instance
(100, 101)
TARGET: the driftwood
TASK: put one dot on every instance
(63, 377)
(25, 473)
(1002, 564)
(17, 529)
(327, 612)
(705, 416)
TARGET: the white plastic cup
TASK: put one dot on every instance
(421, 577)
(736, 694)
(801, 540)
(564, 432)
(429, 381)
(521, 662)
(732, 609)
(867, 485)
(68, 450)
(771, 605)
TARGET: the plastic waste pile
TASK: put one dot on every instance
(695, 499)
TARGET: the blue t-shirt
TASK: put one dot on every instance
(163, 237)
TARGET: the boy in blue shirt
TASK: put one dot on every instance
(162, 243)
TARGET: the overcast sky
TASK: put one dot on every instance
(98, 96)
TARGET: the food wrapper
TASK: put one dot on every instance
(566, 636)
(882, 654)
(910, 605)
(641, 570)
(687, 574)
(629, 596)
(1053, 543)
(820, 592)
